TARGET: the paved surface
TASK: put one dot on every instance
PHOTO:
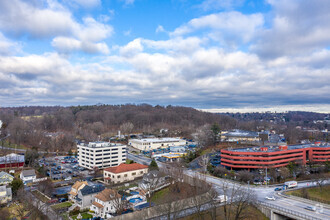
(261, 192)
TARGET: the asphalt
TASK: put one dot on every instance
(281, 202)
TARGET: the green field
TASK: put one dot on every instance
(159, 195)
(84, 215)
(314, 194)
(61, 205)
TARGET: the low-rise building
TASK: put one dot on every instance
(101, 154)
(124, 172)
(27, 176)
(154, 180)
(274, 156)
(77, 186)
(5, 194)
(106, 202)
(237, 135)
(5, 178)
(155, 143)
(86, 195)
(12, 160)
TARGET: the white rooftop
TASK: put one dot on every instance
(155, 140)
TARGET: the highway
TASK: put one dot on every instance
(260, 191)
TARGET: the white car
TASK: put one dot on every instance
(270, 198)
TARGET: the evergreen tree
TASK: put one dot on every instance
(153, 165)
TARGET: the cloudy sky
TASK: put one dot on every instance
(207, 54)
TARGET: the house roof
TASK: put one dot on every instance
(77, 185)
(98, 205)
(5, 177)
(125, 168)
(28, 173)
(87, 190)
(107, 195)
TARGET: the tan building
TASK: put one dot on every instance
(76, 188)
(106, 202)
(155, 143)
(124, 172)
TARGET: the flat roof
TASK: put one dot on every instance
(277, 148)
(240, 133)
(100, 144)
(155, 140)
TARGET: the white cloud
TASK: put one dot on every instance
(160, 29)
(8, 47)
(297, 27)
(131, 48)
(224, 25)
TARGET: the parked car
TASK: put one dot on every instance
(278, 189)
(62, 199)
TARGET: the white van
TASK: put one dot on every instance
(221, 198)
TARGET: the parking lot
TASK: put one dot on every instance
(63, 168)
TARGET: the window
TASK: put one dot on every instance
(141, 172)
(98, 155)
(115, 157)
(118, 176)
(113, 176)
(114, 153)
(98, 151)
(125, 175)
(114, 149)
(106, 154)
(133, 174)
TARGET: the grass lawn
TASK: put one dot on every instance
(13, 210)
(61, 205)
(6, 144)
(157, 197)
(84, 215)
(251, 213)
(314, 193)
(40, 196)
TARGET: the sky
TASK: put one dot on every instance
(206, 54)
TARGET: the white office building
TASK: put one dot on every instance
(101, 154)
(155, 143)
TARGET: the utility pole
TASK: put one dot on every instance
(266, 177)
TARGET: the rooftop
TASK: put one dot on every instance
(278, 148)
(100, 144)
(126, 168)
(240, 133)
(107, 195)
(28, 173)
(158, 140)
(87, 190)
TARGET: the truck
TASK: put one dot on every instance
(221, 198)
(290, 184)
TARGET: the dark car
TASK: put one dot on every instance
(278, 189)
(62, 199)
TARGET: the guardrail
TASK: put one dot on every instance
(288, 211)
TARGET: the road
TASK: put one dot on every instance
(260, 191)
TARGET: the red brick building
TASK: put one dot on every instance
(274, 156)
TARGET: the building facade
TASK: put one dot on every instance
(27, 176)
(237, 135)
(101, 155)
(155, 143)
(124, 173)
(5, 195)
(12, 161)
(86, 196)
(106, 202)
(274, 156)
(5, 178)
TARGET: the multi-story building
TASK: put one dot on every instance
(239, 136)
(101, 154)
(12, 160)
(274, 156)
(155, 143)
(106, 202)
(124, 172)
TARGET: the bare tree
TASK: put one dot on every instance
(320, 180)
(239, 199)
(203, 161)
(46, 187)
(205, 136)
(127, 128)
(211, 197)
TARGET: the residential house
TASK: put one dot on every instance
(76, 188)
(124, 172)
(28, 176)
(5, 195)
(86, 196)
(154, 180)
(106, 202)
(5, 178)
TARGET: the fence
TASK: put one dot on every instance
(287, 211)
